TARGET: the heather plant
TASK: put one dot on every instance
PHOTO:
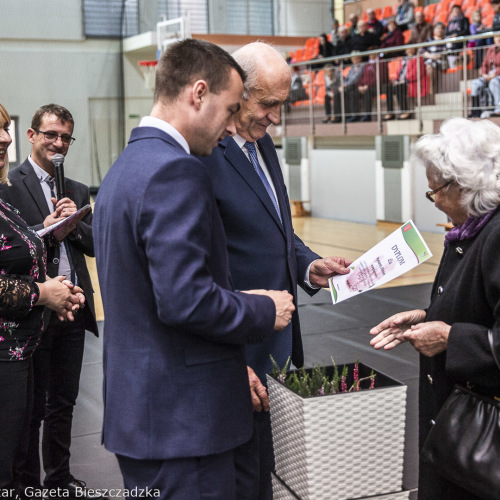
(316, 382)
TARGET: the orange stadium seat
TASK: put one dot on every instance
(393, 68)
(442, 17)
(466, 4)
(387, 12)
(429, 11)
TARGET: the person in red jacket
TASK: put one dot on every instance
(411, 75)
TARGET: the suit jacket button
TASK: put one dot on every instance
(55, 260)
(440, 290)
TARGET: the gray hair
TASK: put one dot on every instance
(255, 58)
(467, 152)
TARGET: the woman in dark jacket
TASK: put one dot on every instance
(393, 38)
(463, 170)
(458, 25)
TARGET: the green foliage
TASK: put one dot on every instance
(317, 382)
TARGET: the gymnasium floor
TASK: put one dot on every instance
(340, 331)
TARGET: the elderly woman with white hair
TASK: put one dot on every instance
(458, 335)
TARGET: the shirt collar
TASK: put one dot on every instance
(151, 121)
(39, 171)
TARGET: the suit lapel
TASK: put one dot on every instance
(238, 160)
(32, 183)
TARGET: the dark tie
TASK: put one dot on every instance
(51, 183)
(252, 153)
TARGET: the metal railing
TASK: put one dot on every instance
(443, 93)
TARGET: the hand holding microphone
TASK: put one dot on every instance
(64, 206)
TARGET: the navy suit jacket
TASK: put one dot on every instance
(175, 378)
(263, 252)
(27, 196)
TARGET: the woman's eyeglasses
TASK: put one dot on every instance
(431, 195)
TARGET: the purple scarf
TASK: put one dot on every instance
(468, 229)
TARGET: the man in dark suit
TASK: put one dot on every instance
(263, 250)
(57, 361)
(177, 404)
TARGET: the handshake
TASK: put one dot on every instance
(283, 302)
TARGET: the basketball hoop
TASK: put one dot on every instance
(148, 70)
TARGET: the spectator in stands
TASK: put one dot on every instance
(332, 84)
(326, 49)
(436, 56)
(343, 46)
(405, 15)
(421, 30)
(411, 77)
(373, 24)
(458, 25)
(335, 37)
(350, 87)
(353, 19)
(476, 26)
(488, 84)
(297, 90)
(393, 38)
(364, 38)
(495, 4)
(367, 83)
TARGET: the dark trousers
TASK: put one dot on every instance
(255, 461)
(328, 104)
(368, 96)
(212, 477)
(351, 96)
(16, 396)
(401, 92)
(57, 364)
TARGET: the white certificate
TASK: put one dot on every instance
(401, 251)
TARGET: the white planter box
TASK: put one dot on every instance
(282, 492)
(340, 446)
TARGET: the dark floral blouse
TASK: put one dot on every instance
(22, 263)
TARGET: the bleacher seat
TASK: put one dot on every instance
(387, 12)
(429, 11)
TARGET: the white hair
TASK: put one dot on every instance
(256, 58)
(467, 152)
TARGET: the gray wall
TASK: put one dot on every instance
(84, 77)
(343, 184)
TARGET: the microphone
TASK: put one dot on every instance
(58, 161)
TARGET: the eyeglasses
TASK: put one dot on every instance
(52, 137)
(431, 195)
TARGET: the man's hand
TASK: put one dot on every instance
(63, 208)
(260, 400)
(322, 269)
(283, 302)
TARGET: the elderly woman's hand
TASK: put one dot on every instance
(429, 338)
(390, 332)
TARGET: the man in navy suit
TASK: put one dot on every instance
(177, 404)
(263, 250)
